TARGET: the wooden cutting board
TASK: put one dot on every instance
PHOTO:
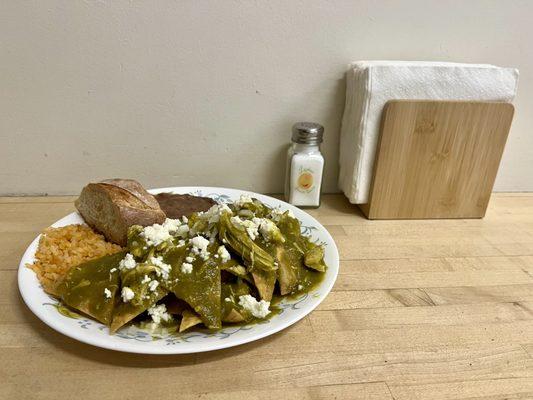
(437, 159)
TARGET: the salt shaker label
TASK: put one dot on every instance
(305, 182)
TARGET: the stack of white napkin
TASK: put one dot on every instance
(370, 84)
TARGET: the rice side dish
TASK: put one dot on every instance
(62, 248)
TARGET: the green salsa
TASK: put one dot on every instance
(224, 267)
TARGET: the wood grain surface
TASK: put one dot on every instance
(433, 309)
(437, 159)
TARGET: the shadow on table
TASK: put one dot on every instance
(340, 204)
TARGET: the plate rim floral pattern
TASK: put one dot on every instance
(136, 340)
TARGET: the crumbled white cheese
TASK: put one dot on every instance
(227, 299)
(159, 313)
(153, 285)
(224, 207)
(181, 242)
(163, 269)
(183, 230)
(258, 309)
(224, 254)
(184, 219)
(266, 227)
(171, 225)
(127, 294)
(155, 234)
(186, 268)
(300, 287)
(189, 259)
(212, 215)
(250, 225)
(276, 213)
(176, 227)
(146, 279)
(112, 270)
(107, 293)
(243, 200)
(246, 213)
(128, 262)
(199, 246)
(213, 235)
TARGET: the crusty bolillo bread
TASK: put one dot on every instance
(113, 205)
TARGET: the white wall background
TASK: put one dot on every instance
(205, 92)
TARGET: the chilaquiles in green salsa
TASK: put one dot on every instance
(226, 265)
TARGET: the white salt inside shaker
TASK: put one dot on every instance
(305, 165)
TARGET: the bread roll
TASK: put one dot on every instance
(113, 205)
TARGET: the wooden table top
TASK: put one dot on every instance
(421, 310)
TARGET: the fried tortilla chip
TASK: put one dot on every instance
(265, 283)
(233, 317)
(236, 269)
(298, 258)
(199, 287)
(139, 281)
(189, 319)
(230, 294)
(288, 265)
(91, 287)
(125, 312)
(314, 257)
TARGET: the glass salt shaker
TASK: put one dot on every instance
(305, 165)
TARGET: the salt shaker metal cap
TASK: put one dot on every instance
(307, 133)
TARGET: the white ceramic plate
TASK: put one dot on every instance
(135, 340)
